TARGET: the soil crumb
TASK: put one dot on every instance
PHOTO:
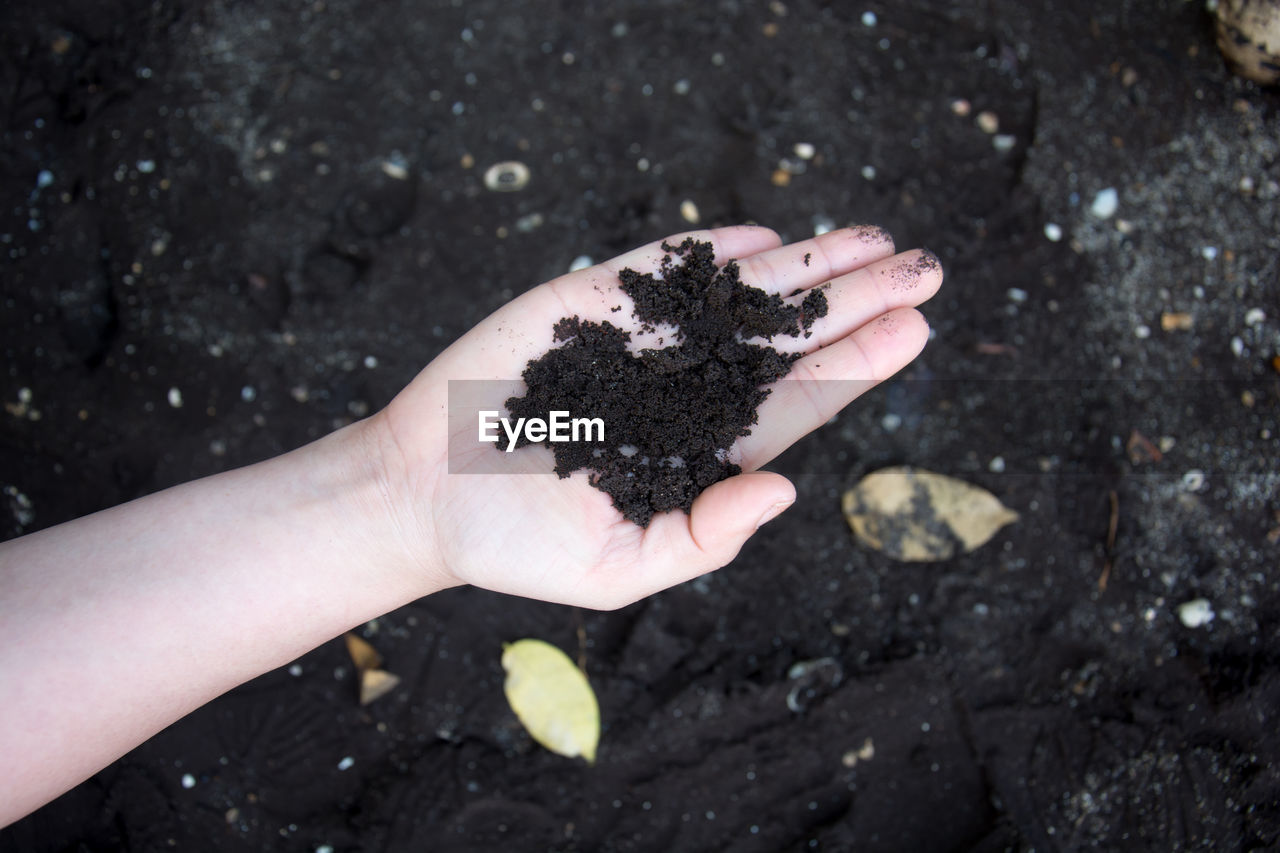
(671, 413)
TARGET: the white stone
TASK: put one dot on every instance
(508, 176)
(1105, 203)
(823, 225)
(1196, 612)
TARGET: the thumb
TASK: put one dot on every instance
(726, 514)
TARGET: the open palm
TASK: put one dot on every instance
(562, 540)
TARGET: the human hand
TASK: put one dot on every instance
(562, 540)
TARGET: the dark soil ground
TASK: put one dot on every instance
(204, 197)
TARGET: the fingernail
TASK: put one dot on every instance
(773, 512)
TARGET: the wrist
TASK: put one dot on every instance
(377, 503)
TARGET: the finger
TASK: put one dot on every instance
(735, 241)
(800, 266)
(824, 382)
(680, 547)
(501, 345)
(857, 298)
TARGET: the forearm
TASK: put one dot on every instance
(120, 623)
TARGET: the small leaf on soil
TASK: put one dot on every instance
(376, 683)
(363, 655)
(552, 698)
(917, 515)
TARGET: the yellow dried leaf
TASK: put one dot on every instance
(376, 683)
(552, 698)
(916, 515)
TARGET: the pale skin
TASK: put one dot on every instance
(120, 623)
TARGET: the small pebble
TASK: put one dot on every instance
(295, 669)
(891, 422)
(1016, 294)
(1172, 321)
(1209, 253)
(988, 121)
(1193, 480)
(44, 178)
(146, 167)
(507, 176)
(580, 263)
(529, 222)
(346, 763)
(1052, 232)
(961, 107)
(175, 398)
(188, 781)
(1004, 141)
(396, 169)
(689, 212)
(248, 393)
(804, 150)
(869, 172)
(996, 465)
(1105, 203)
(1196, 612)
(1142, 331)
(823, 225)
(1237, 346)
(681, 87)
(1255, 317)
(868, 19)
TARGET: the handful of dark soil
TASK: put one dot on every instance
(670, 414)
